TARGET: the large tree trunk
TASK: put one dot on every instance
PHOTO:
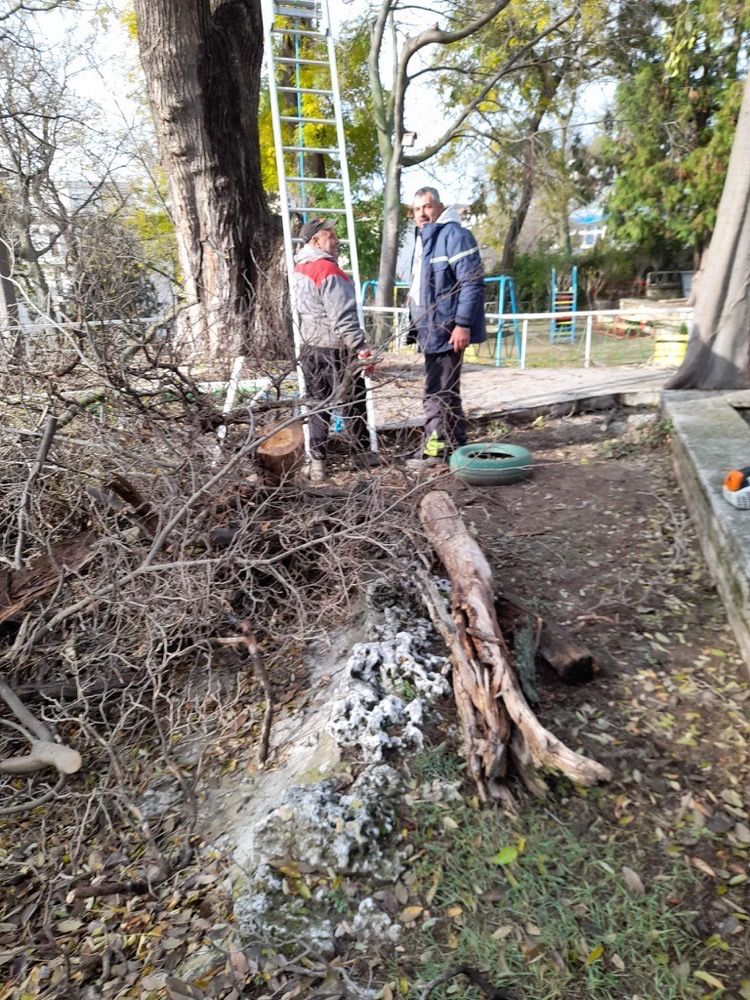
(202, 60)
(389, 244)
(718, 354)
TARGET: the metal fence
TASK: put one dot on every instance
(601, 337)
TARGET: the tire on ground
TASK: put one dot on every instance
(491, 464)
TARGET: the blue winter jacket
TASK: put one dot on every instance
(452, 289)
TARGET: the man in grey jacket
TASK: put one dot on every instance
(333, 349)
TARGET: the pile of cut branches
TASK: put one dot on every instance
(154, 597)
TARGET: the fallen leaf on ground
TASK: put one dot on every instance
(633, 880)
(703, 866)
(706, 977)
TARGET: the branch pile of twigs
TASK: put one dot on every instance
(153, 596)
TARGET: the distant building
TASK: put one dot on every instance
(588, 225)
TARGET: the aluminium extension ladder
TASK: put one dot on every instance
(298, 41)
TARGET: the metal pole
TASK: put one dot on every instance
(353, 258)
(268, 19)
(587, 349)
(524, 340)
(234, 379)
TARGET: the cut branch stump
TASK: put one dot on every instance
(496, 719)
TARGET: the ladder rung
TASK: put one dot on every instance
(299, 31)
(311, 149)
(291, 61)
(304, 90)
(320, 209)
(308, 15)
(298, 239)
(314, 180)
(307, 121)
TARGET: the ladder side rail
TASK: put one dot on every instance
(268, 21)
(344, 169)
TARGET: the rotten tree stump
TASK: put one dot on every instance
(496, 719)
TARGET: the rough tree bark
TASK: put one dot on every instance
(718, 354)
(496, 719)
(202, 60)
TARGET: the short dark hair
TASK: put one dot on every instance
(428, 190)
(313, 227)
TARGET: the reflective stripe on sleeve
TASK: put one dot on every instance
(455, 257)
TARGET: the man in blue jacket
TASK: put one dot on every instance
(446, 302)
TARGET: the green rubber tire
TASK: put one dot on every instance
(491, 464)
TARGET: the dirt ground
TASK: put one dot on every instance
(599, 541)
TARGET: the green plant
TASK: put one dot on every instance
(438, 761)
(543, 911)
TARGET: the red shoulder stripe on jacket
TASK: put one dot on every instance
(319, 270)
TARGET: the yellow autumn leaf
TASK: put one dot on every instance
(430, 894)
(410, 913)
(303, 889)
(595, 954)
(454, 911)
(706, 977)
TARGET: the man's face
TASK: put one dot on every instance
(426, 209)
(327, 241)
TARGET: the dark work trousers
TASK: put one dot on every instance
(443, 412)
(325, 369)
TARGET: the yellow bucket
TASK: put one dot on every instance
(669, 348)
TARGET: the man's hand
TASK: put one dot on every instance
(460, 338)
(367, 361)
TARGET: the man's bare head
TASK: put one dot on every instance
(427, 206)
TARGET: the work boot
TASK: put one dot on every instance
(433, 454)
(420, 462)
(314, 471)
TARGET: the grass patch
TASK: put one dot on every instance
(546, 912)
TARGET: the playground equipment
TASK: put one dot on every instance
(563, 301)
(499, 332)
(504, 330)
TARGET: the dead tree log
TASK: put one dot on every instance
(571, 660)
(495, 716)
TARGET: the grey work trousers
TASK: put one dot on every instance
(443, 413)
(325, 368)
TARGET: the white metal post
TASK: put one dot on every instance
(351, 233)
(524, 340)
(587, 348)
(268, 19)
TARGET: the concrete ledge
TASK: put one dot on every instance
(710, 438)
(554, 405)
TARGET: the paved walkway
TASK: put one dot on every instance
(487, 390)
